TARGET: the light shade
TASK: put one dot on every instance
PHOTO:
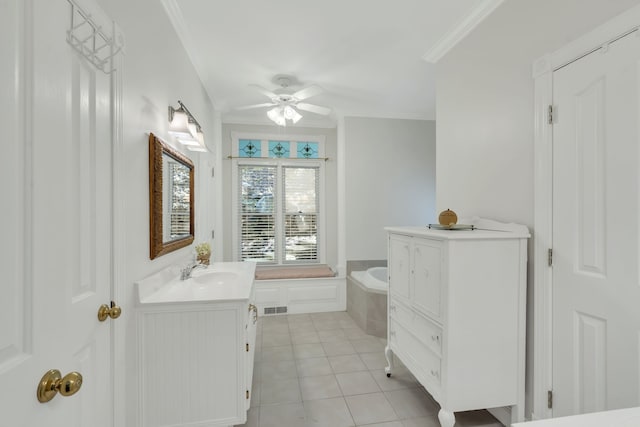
(280, 115)
(200, 146)
(179, 125)
(291, 114)
(196, 148)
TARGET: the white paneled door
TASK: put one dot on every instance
(56, 260)
(596, 287)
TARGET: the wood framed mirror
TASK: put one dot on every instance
(171, 198)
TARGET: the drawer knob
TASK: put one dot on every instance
(435, 373)
(435, 338)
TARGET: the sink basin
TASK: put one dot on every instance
(221, 281)
(215, 278)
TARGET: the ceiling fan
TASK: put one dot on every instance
(285, 105)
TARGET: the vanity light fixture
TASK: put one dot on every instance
(186, 129)
(200, 144)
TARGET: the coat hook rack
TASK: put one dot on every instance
(90, 40)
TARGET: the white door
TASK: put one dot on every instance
(596, 287)
(56, 217)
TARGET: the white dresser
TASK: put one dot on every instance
(456, 314)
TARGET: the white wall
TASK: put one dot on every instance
(156, 73)
(390, 180)
(331, 182)
(484, 109)
(484, 106)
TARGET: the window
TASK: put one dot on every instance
(178, 200)
(278, 202)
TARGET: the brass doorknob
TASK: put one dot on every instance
(105, 311)
(52, 382)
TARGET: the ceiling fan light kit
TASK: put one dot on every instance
(275, 115)
(286, 105)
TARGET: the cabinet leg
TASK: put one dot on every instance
(447, 419)
(389, 355)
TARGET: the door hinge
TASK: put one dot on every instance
(549, 399)
(247, 394)
(550, 257)
(247, 346)
(550, 115)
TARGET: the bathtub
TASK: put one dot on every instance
(374, 279)
(367, 299)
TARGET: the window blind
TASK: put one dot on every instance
(300, 190)
(257, 213)
(278, 213)
(180, 224)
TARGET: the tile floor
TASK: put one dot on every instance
(322, 370)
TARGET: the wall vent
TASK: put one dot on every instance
(275, 310)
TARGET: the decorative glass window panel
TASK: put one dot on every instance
(308, 150)
(279, 149)
(249, 148)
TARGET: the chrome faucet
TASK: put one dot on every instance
(185, 273)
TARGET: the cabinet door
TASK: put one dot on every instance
(427, 277)
(399, 265)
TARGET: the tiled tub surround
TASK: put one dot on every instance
(367, 307)
(322, 370)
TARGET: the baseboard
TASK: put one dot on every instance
(302, 295)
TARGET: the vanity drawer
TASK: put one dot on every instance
(420, 360)
(424, 330)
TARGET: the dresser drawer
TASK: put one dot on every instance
(429, 333)
(401, 313)
(424, 330)
(420, 360)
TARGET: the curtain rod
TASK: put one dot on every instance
(279, 158)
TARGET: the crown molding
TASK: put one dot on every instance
(460, 31)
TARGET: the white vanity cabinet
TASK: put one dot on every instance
(456, 314)
(196, 342)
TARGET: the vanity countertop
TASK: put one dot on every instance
(220, 281)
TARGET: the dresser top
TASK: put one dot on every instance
(484, 229)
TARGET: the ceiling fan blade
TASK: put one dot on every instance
(265, 92)
(313, 108)
(249, 107)
(307, 92)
